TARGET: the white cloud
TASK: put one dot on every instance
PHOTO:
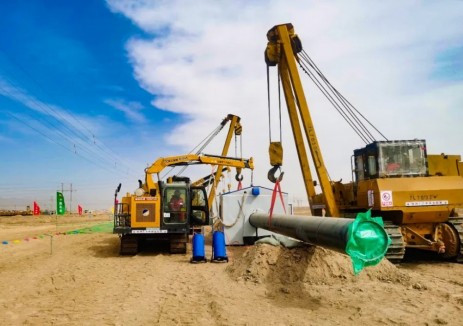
(130, 109)
(205, 60)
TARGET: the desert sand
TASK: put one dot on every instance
(63, 272)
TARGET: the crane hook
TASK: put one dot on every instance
(238, 177)
(271, 174)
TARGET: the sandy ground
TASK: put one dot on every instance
(79, 279)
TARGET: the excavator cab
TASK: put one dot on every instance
(183, 205)
(174, 201)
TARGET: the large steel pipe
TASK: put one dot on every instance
(322, 231)
(363, 239)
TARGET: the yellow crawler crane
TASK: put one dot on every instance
(419, 196)
(169, 210)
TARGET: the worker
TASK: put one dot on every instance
(176, 204)
(197, 216)
(197, 199)
(392, 165)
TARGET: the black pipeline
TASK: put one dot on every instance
(363, 238)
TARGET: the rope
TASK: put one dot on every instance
(340, 98)
(335, 105)
(268, 104)
(339, 102)
(276, 189)
(279, 105)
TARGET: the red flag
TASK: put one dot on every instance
(79, 209)
(36, 209)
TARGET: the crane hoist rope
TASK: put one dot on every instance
(237, 129)
(282, 47)
(275, 147)
(345, 108)
(234, 128)
(269, 106)
(284, 50)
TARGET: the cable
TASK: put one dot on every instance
(335, 104)
(206, 141)
(63, 130)
(74, 134)
(344, 107)
(268, 104)
(341, 100)
(279, 108)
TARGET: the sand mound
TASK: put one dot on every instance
(265, 263)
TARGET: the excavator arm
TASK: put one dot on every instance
(282, 48)
(221, 161)
(208, 179)
(192, 159)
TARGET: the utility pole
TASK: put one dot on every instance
(70, 196)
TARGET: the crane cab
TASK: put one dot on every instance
(391, 159)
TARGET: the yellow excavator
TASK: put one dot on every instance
(419, 196)
(168, 210)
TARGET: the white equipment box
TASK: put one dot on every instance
(236, 207)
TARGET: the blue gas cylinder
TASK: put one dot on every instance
(198, 248)
(219, 253)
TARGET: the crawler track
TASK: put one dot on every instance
(396, 250)
(129, 245)
(178, 243)
(457, 222)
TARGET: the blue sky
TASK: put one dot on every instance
(93, 91)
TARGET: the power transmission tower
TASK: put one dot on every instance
(70, 191)
(51, 203)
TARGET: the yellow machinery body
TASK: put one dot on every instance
(445, 165)
(419, 196)
(416, 200)
(145, 211)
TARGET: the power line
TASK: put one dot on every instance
(77, 143)
(74, 134)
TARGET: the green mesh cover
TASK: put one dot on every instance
(367, 241)
(99, 228)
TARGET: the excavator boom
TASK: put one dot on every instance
(192, 159)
